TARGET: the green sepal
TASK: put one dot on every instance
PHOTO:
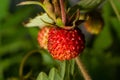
(59, 22)
(39, 21)
(49, 9)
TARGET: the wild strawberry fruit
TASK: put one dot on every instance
(43, 37)
(94, 23)
(65, 44)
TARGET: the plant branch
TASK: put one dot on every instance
(63, 12)
(82, 69)
(115, 9)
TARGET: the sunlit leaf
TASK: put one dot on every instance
(39, 21)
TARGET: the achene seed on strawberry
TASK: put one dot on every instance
(65, 44)
(43, 37)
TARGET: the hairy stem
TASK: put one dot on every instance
(82, 69)
(115, 9)
(63, 12)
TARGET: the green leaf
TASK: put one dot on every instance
(87, 5)
(72, 66)
(42, 76)
(62, 69)
(53, 75)
(66, 69)
(40, 21)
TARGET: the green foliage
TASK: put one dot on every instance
(87, 5)
(42, 76)
(101, 55)
(64, 71)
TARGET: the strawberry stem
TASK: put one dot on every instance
(82, 69)
(63, 12)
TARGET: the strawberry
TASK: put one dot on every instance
(94, 23)
(65, 44)
(43, 37)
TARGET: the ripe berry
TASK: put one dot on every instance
(65, 44)
(43, 37)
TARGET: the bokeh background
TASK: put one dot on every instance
(101, 55)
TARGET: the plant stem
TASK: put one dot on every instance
(82, 69)
(23, 63)
(115, 9)
(63, 12)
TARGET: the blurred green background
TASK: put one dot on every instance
(101, 56)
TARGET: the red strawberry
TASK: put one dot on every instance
(65, 44)
(43, 37)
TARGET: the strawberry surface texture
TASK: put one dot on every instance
(65, 44)
(43, 37)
